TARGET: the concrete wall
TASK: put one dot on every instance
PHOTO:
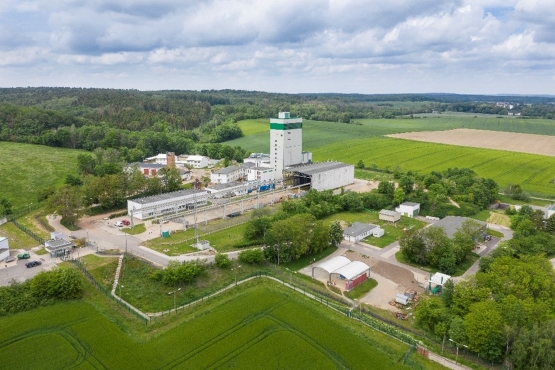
(334, 179)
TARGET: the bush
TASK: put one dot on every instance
(222, 260)
(251, 256)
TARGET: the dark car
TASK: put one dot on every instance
(33, 264)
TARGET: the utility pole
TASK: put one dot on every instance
(174, 301)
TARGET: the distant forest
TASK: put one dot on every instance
(144, 123)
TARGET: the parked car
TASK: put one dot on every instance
(33, 264)
(119, 224)
(9, 259)
(23, 256)
(126, 222)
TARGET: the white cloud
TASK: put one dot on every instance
(250, 44)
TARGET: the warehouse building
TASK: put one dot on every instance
(321, 176)
(232, 189)
(159, 205)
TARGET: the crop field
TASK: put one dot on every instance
(317, 133)
(263, 326)
(27, 169)
(534, 172)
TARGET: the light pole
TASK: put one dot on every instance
(174, 302)
(120, 286)
(87, 243)
(125, 242)
(457, 344)
(235, 269)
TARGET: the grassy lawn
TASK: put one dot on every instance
(41, 252)
(370, 175)
(307, 260)
(33, 168)
(137, 229)
(103, 269)
(497, 234)
(460, 269)
(261, 325)
(361, 289)
(483, 215)
(393, 231)
(149, 295)
(31, 222)
(181, 242)
(17, 239)
(499, 218)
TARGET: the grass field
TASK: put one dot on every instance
(17, 238)
(263, 326)
(351, 143)
(27, 169)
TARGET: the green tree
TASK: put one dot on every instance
(336, 233)
(406, 183)
(5, 207)
(487, 340)
(386, 187)
(550, 224)
(67, 202)
(398, 196)
(360, 164)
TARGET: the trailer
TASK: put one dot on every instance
(266, 187)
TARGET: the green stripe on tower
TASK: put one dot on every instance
(286, 126)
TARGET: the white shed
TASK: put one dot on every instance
(378, 232)
(401, 299)
(408, 209)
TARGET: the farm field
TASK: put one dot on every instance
(535, 173)
(28, 169)
(317, 133)
(263, 326)
(515, 142)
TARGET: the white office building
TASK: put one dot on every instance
(163, 204)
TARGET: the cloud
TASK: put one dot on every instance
(250, 43)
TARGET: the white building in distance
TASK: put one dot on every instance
(226, 175)
(263, 174)
(162, 204)
(259, 160)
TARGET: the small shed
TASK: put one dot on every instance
(202, 245)
(401, 299)
(390, 216)
(409, 209)
(378, 232)
(4, 248)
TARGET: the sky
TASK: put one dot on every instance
(291, 46)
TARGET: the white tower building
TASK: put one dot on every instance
(286, 142)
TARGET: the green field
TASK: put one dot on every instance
(27, 169)
(261, 327)
(351, 143)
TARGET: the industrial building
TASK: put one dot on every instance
(352, 273)
(159, 205)
(227, 190)
(286, 143)
(226, 175)
(321, 176)
(4, 248)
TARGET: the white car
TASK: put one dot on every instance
(119, 224)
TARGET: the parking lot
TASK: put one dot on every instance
(16, 270)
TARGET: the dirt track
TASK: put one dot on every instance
(515, 142)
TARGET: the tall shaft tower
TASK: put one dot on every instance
(286, 142)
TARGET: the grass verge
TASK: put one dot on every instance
(361, 289)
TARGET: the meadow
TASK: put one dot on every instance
(29, 169)
(260, 326)
(353, 142)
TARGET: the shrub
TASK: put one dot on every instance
(222, 260)
(251, 256)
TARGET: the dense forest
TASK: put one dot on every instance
(144, 123)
